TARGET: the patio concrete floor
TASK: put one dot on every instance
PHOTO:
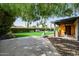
(27, 46)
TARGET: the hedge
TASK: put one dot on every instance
(16, 30)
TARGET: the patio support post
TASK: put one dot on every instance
(77, 29)
(54, 29)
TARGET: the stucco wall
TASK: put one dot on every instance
(73, 29)
(61, 30)
(76, 29)
(75, 24)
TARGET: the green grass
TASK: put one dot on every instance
(32, 34)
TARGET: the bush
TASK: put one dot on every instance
(7, 36)
(17, 30)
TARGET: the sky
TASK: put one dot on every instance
(20, 22)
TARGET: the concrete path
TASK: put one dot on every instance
(27, 46)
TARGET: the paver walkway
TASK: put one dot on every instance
(27, 46)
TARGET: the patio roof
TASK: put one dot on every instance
(69, 20)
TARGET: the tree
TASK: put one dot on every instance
(31, 12)
(75, 8)
(8, 13)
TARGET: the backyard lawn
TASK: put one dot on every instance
(25, 34)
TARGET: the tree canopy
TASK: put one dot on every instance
(32, 12)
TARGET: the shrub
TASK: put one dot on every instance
(16, 30)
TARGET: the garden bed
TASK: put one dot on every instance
(66, 47)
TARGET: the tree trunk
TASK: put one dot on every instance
(25, 24)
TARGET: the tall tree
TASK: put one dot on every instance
(8, 13)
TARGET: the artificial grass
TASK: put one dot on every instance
(25, 34)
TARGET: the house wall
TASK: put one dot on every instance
(77, 29)
(73, 29)
(75, 24)
(61, 31)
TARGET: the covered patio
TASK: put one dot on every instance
(68, 28)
